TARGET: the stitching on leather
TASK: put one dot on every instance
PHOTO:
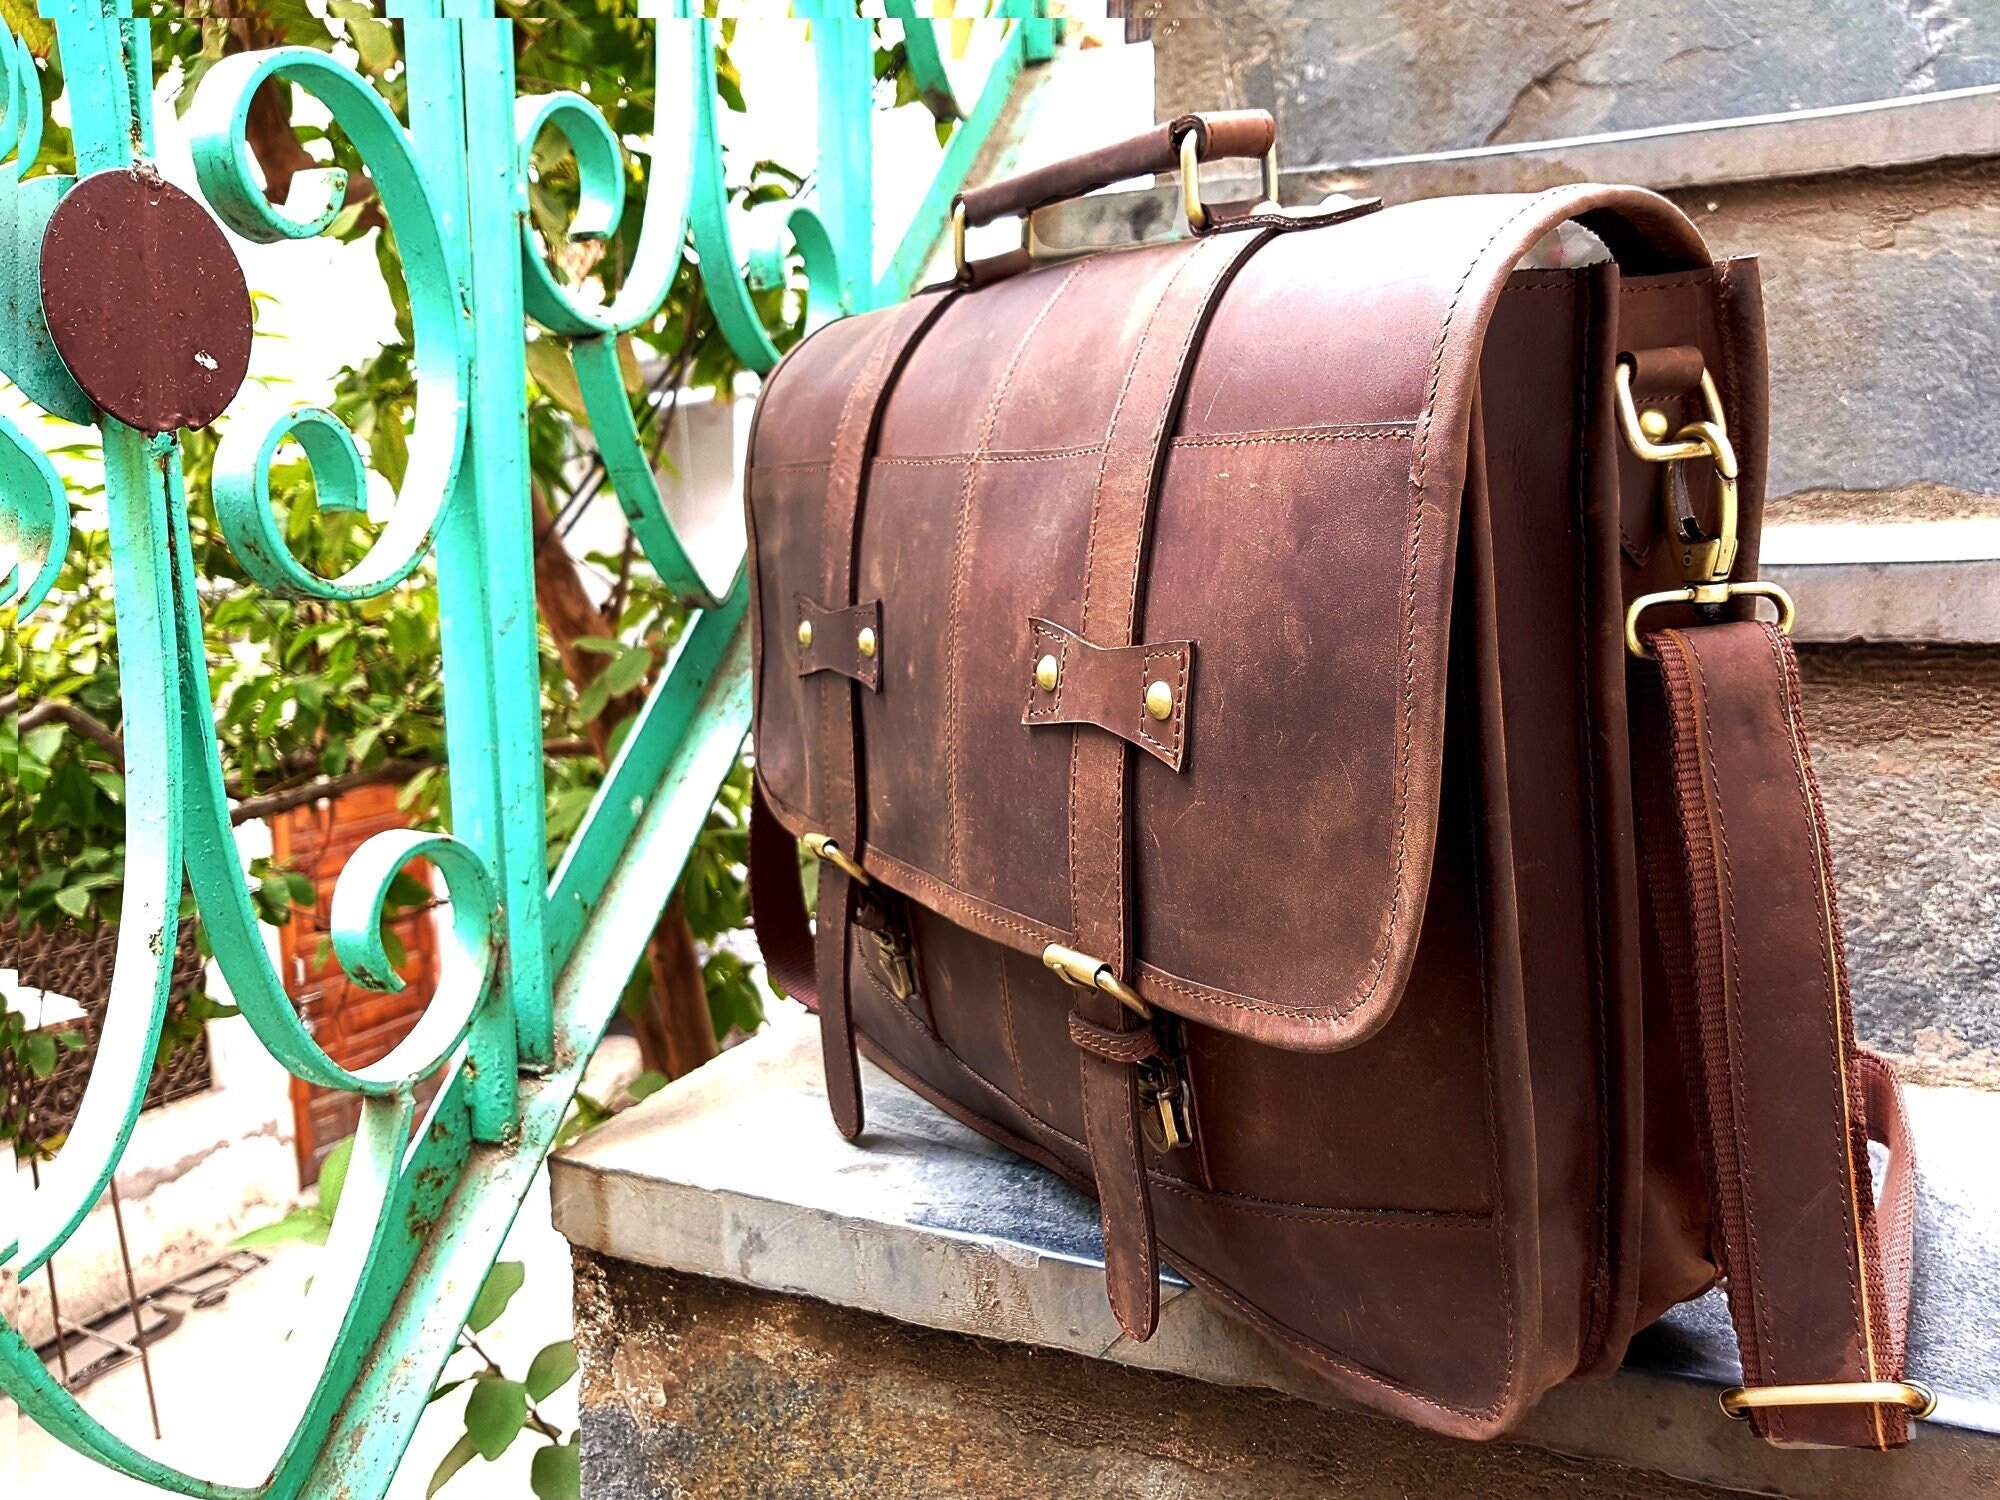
(988, 456)
(1213, 1284)
(1148, 1248)
(792, 466)
(1111, 430)
(955, 903)
(903, 332)
(1384, 1218)
(1733, 960)
(954, 862)
(1090, 554)
(1236, 255)
(1298, 435)
(1271, 1328)
(1042, 634)
(1422, 460)
(1172, 745)
(1852, 1250)
(1007, 1022)
(1662, 284)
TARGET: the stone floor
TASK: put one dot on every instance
(763, 1308)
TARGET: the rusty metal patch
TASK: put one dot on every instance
(145, 301)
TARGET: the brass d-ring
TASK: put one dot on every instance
(1788, 612)
(1918, 1399)
(1198, 216)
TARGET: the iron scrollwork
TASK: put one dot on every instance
(532, 965)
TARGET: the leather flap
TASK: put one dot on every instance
(1302, 540)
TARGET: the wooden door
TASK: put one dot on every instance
(356, 1026)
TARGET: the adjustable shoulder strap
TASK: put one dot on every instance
(1785, 1101)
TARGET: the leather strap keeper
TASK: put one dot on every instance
(830, 640)
(1111, 688)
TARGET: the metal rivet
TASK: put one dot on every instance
(805, 632)
(1048, 672)
(1653, 424)
(1160, 701)
(865, 642)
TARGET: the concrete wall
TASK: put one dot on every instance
(1392, 77)
(1883, 299)
(1884, 284)
(1907, 745)
(698, 1387)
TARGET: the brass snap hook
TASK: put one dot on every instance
(1706, 561)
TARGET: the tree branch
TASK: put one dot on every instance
(57, 711)
(395, 770)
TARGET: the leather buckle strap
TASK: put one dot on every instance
(858, 631)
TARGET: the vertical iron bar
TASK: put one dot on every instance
(435, 61)
(55, 1300)
(844, 50)
(497, 460)
(132, 1303)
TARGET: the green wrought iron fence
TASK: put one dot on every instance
(532, 966)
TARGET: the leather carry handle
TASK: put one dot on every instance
(1219, 135)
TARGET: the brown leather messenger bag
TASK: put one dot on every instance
(1290, 745)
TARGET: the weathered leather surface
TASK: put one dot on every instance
(1303, 537)
(1442, 1150)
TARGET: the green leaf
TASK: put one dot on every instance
(557, 1472)
(461, 1454)
(73, 899)
(549, 368)
(552, 1369)
(23, 21)
(646, 1085)
(39, 1052)
(333, 1175)
(593, 698)
(307, 1226)
(495, 1414)
(628, 671)
(372, 38)
(42, 741)
(501, 1283)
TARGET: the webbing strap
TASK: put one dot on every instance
(1785, 1101)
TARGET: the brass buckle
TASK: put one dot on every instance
(1087, 973)
(1706, 561)
(1165, 1106)
(825, 848)
(893, 951)
(1918, 1399)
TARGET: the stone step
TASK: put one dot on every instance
(736, 1175)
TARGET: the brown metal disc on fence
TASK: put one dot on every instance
(145, 301)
